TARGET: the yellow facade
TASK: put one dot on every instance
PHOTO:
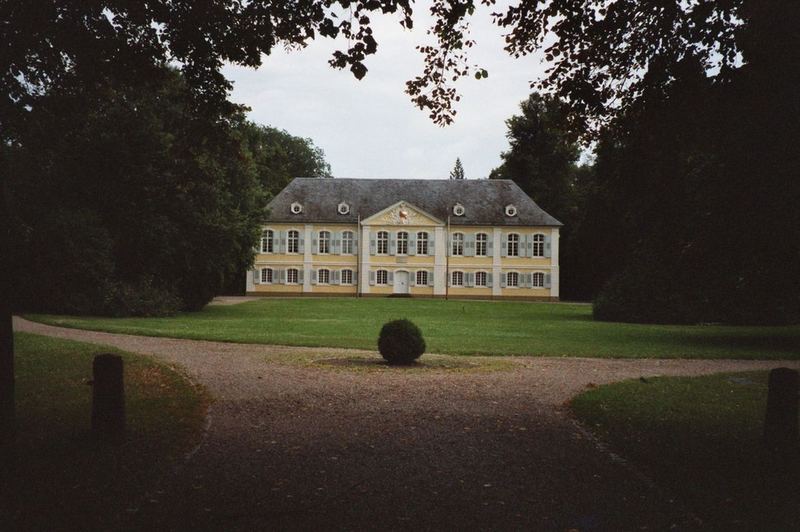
(382, 259)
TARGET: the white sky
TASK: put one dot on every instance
(370, 128)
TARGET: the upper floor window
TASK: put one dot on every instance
(458, 209)
(324, 245)
(343, 208)
(266, 275)
(347, 243)
(293, 242)
(323, 276)
(480, 244)
(296, 208)
(513, 245)
(267, 241)
(383, 242)
(480, 278)
(511, 210)
(382, 277)
(512, 279)
(422, 278)
(538, 280)
(538, 245)
(291, 276)
(457, 278)
(347, 276)
(402, 243)
(422, 243)
(458, 244)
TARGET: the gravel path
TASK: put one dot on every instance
(301, 446)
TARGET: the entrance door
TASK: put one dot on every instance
(400, 282)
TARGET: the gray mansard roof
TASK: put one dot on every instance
(484, 200)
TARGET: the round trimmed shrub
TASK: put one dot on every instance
(401, 342)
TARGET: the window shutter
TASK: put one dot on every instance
(372, 278)
(489, 280)
(335, 277)
(335, 243)
(412, 243)
(504, 248)
(547, 280)
(413, 278)
(282, 277)
(502, 280)
(313, 276)
(528, 280)
(355, 243)
(390, 278)
(315, 245)
(469, 279)
(469, 245)
(431, 244)
(392, 244)
(256, 277)
(372, 246)
(547, 252)
(301, 243)
(282, 242)
(489, 245)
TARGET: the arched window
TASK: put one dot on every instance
(382, 277)
(267, 241)
(480, 278)
(383, 242)
(512, 279)
(513, 245)
(458, 244)
(323, 276)
(538, 280)
(291, 276)
(266, 275)
(457, 278)
(422, 278)
(347, 276)
(347, 243)
(293, 242)
(402, 243)
(324, 244)
(422, 243)
(538, 245)
(480, 244)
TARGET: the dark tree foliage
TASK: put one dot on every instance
(458, 170)
(279, 156)
(127, 202)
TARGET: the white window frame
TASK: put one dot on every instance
(324, 240)
(268, 241)
(343, 208)
(267, 275)
(481, 244)
(289, 240)
(516, 280)
(485, 279)
(323, 273)
(385, 275)
(402, 243)
(511, 210)
(458, 209)
(457, 274)
(457, 245)
(347, 242)
(538, 245)
(422, 243)
(290, 273)
(421, 274)
(534, 277)
(382, 241)
(512, 243)
(296, 208)
(342, 276)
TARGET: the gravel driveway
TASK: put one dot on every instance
(304, 446)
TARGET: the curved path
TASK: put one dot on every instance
(299, 446)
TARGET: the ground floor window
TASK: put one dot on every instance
(266, 275)
(382, 277)
(347, 276)
(538, 280)
(512, 279)
(422, 278)
(323, 276)
(457, 278)
(480, 278)
(291, 276)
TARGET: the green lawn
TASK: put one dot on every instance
(700, 437)
(454, 327)
(55, 475)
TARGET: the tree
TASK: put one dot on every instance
(458, 170)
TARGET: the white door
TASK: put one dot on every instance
(400, 282)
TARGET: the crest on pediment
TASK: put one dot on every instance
(402, 213)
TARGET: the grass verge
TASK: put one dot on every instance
(453, 327)
(55, 476)
(700, 437)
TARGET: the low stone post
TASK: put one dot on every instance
(780, 423)
(108, 397)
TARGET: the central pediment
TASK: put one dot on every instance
(403, 213)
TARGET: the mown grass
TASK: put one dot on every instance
(701, 438)
(454, 327)
(54, 474)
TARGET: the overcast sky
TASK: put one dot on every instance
(370, 128)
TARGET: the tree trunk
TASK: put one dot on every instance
(7, 415)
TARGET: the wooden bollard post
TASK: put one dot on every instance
(108, 397)
(780, 423)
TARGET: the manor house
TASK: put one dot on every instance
(481, 239)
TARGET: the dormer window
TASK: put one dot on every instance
(511, 210)
(296, 208)
(343, 208)
(458, 209)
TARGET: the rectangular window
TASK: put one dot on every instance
(323, 276)
(480, 244)
(512, 279)
(291, 276)
(383, 242)
(480, 278)
(458, 244)
(538, 280)
(267, 241)
(422, 243)
(513, 245)
(266, 275)
(422, 278)
(293, 242)
(347, 276)
(382, 277)
(402, 243)
(457, 278)
(347, 243)
(324, 242)
(538, 245)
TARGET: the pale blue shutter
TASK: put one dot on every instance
(489, 280)
(412, 243)
(525, 245)
(372, 278)
(301, 242)
(282, 242)
(256, 277)
(354, 251)
(315, 244)
(469, 280)
(504, 248)
(300, 275)
(283, 277)
(390, 278)
(490, 245)
(547, 252)
(547, 280)
(313, 276)
(431, 244)
(372, 245)
(528, 280)
(430, 278)
(335, 277)
(469, 245)
(502, 280)
(413, 276)
(392, 243)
